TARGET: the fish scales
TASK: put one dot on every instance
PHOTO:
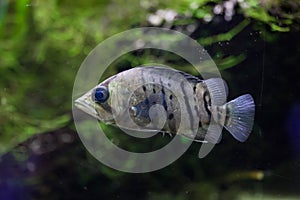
(158, 90)
(173, 82)
(188, 105)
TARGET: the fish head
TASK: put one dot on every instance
(121, 100)
(97, 102)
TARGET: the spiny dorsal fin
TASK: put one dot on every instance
(189, 77)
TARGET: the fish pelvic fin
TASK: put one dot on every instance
(240, 117)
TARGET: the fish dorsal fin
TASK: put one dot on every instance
(190, 77)
(218, 90)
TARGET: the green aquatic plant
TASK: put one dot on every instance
(44, 42)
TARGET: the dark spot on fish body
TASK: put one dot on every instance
(200, 124)
(197, 110)
(172, 123)
(228, 114)
(150, 94)
(147, 101)
(206, 100)
(194, 89)
(144, 88)
(165, 105)
(164, 102)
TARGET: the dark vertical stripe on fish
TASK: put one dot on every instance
(197, 106)
(194, 89)
(197, 110)
(143, 83)
(219, 114)
(206, 103)
(147, 101)
(188, 106)
(200, 124)
(164, 102)
(154, 90)
(143, 78)
(227, 117)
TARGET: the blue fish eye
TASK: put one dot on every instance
(100, 94)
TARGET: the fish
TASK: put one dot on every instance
(157, 98)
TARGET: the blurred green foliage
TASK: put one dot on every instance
(42, 46)
(43, 43)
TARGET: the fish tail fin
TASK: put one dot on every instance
(240, 117)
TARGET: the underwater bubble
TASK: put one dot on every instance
(229, 5)
(228, 17)
(191, 27)
(207, 18)
(155, 19)
(218, 9)
(30, 166)
(170, 15)
(194, 5)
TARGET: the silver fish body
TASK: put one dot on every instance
(168, 100)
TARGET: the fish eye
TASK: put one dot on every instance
(100, 94)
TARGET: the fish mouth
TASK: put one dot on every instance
(85, 106)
